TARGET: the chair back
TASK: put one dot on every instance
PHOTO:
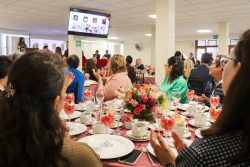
(140, 78)
(73, 88)
(197, 85)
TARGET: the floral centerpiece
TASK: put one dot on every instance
(150, 70)
(142, 100)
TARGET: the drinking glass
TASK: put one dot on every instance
(214, 100)
(157, 116)
(107, 121)
(176, 98)
(167, 123)
(190, 95)
(118, 115)
(214, 113)
(69, 104)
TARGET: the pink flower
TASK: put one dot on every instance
(129, 94)
(144, 98)
(153, 109)
(152, 96)
(134, 103)
(138, 109)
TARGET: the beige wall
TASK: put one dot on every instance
(144, 53)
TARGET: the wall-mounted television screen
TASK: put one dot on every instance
(88, 23)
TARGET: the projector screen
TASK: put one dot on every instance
(88, 23)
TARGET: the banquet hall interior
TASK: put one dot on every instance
(135, 82)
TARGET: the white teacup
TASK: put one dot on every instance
(98, 128)
(85, 117)
(139, 129)
(180, 129)
(200, 118)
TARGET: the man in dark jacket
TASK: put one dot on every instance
(201, 73)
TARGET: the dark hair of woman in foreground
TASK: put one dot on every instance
(31, 132)
(236, 114)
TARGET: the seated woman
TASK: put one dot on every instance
(174, 80)
(32, 133)
(90, 66)
(227, 141)
(5, 63)
(118, 77)
(77, 85)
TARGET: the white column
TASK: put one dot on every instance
(153, 46)
(165, 36)
(223, 36)
(73, 49)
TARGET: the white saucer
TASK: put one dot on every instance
(187, 135)
(197, 133)
(115, 125)
(87, 123)
(130, 135)
(155, 127)
(192, 123)
(187, 114)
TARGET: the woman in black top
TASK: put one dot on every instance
(21, 46)
(227, 142)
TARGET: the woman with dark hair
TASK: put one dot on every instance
(5, 63)
(21, 46)
(90, 66)
(58, 51)
(227, 141)
(32, 134)
(174, 80)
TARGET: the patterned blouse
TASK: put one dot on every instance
(212, 151)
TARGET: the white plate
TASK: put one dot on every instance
(89, 82)
(197, 133)
(151, 150)
(191, 122)
(187, 114)
(115, 125)
(155, 127)
(88, 123)
(110, 131)
(184, 107)
(187, 135)
(80, 106)
(130, 135)
(120, 145)
(76, 128)
(76, 114)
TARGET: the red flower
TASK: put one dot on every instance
(129, 94)
(138, 109)
(137, 86)
(108, 119)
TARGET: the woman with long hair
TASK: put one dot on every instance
(21, 46)
(32, 134)
(174, 80)
(227, 141)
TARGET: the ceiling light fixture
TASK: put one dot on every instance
(203, 31)
(153, 16)
(148, 35)
(113, 37)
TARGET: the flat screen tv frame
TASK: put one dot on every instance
(89, 34)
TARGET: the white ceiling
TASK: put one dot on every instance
(129, 18)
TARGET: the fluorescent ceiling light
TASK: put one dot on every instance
(148, 35)
(152, 16)
(113, 37)
(204, 31)
(15, 35)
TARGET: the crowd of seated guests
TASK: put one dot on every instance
(227, 141)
